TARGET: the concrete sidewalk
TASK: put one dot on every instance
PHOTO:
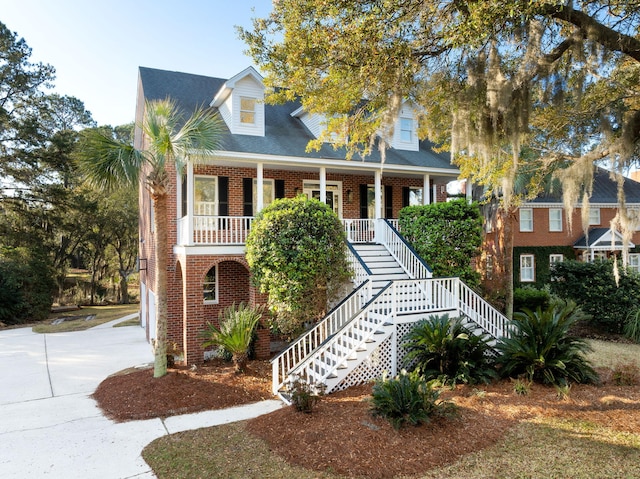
(50, 427)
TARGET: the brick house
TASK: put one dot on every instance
(542, 236)
(212, 203)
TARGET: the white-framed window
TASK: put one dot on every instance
(247, 110)
(594, 216)
(556, 258)
(527, 268)
(526, 219)
(489, 267)
(634, 262)
(210, 286)
(205, 197)
(268, 193)
(406, 129)
(555, 219)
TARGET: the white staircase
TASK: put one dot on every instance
(361, 337)
(383, 266)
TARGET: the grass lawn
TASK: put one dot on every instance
(103, 314)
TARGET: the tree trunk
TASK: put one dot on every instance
(508, 261)
(160, 224)
(124, 288)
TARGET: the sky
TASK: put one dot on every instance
(96, 46)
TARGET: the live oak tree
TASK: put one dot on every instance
(490, 79)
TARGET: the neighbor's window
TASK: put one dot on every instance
(527, 268)
(555, 219)
(406, 129)
(526, 219)
(556, 258)
(634, 262)
(594, 216)
(210, 286)
(247, 110)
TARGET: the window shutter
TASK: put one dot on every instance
(223, 195)
(279, 186)
(388, 201)
(364, 210)
(184, 204)
(247, 196)
(405, 196)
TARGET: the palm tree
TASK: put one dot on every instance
(168, 139)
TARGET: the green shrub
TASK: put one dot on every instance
(443, 348)
(593, 287)
(446, 235)
(407, 399)
(26, 286)
(297, 253)
(236, 332)
(631, 328)
(542, 350)
(530, 298)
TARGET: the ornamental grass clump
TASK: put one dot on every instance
(541, 348)
(236, 332)
(408, 399)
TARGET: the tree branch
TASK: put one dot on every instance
(596, 31)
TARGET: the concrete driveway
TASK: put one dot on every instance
(50, 427)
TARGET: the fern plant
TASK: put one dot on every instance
(237, 326)
(542, 349)
(407, 399)
(442, 347)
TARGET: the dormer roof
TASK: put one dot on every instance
(230, 84)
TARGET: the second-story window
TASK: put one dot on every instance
(406, 129)
(526, 219)
(247, 110)
(205, 198)
(594, 216)
(555, 219)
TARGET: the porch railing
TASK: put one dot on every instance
(402, 251)
(214, 230)
(360, 230)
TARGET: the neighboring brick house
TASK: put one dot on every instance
(542, 236)
(264, 157)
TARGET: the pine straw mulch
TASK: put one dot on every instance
(342, 436)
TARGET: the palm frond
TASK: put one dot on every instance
(108, 163)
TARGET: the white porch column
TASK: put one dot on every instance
(260, 187)
(191, 198)
(378, 194)
(323, 184)
(435, 193)
(426, 180)
(469, 190)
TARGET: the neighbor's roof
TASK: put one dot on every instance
(284, 135)
(600, 238)
(605, 190)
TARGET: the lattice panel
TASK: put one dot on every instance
(371, 368)
(401, 331)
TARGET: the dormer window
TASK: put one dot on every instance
(247, 110)
(406, 129)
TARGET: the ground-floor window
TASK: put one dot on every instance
(210, 286)
(527, 268)
(634, 262)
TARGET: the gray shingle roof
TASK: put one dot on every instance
(605, 190)
(284, 134)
